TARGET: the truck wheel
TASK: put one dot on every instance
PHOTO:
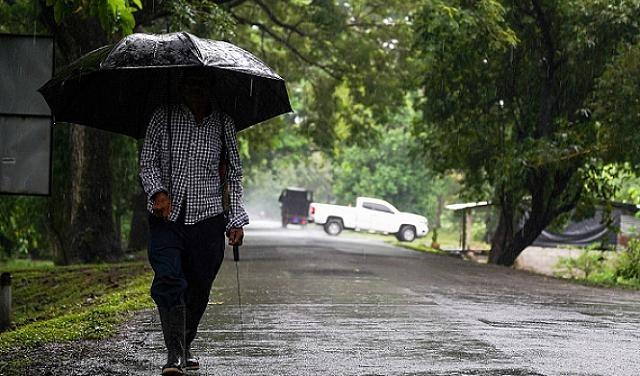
(407, 233)
(333, 227)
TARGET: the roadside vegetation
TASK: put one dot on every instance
(604, 268)
(62, 303)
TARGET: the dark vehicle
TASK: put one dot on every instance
(294, 205)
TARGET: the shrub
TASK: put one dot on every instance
(583, 266)
(628, 263)
(591, 266)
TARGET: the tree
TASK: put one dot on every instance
(86, 228)
(386, 167)
(336, 56)
(83, 221)
(509, 88)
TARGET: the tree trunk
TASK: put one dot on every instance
(507, 245)
(81, 209)
(552, 193)
(139, 235)
(93, 231)
(58, 222)
(437, 223)
(502, 250)
(56, 241)
(468, 225)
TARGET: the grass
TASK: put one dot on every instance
(604, 269)
(62, 303)
(21, 264)
(448, 238)
(419, 244)
(416, 245)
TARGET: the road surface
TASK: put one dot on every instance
(319, 305)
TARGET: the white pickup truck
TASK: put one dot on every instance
(369, 214)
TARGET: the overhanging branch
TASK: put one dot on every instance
(277, 21)
(229, 3)
(287, 44)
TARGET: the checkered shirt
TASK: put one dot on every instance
(195, 157)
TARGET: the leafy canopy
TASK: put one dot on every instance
(115, 16)
(509, 87)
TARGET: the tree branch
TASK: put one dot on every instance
(229, 3)
(277, 21)
(287, 44)
(150, 12)
(548, 97)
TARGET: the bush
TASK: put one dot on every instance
(628, 263)
(583, 266)
(621, 269)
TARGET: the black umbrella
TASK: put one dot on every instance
(117, 87)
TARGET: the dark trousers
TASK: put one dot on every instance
(185, 260)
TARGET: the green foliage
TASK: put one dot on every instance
(434, 236)
(459, 47)
(509, 88)
(606, 180)
(416, 246)
(286, 160)
(115, 16)
(337, 57)
(619, 269)
(20, 17)
(67, 303)
(629, 189)
(616, 105)
(21, 264)
(583, 266)
(628, 263)
(22, 226)
(201, 17)
(389, 171)
(126, 184)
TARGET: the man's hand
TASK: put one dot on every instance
(161, 205)
(235, 236)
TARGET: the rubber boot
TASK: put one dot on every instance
(173, 329)
(191, 362)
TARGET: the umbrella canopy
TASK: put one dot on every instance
(117, 87)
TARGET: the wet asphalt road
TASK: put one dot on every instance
(317, 305)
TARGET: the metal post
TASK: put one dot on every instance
(463, 239)
(468, 218)
(5, 301)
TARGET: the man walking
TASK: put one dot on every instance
(179, 170)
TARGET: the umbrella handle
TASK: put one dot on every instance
(236, 253)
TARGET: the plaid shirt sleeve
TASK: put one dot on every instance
(150, 169)
(237, 215)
